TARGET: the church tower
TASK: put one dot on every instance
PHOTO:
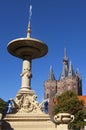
(69, 80)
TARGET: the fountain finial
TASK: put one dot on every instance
(29, 23)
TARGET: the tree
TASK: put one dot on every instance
(69, 102)
(3, 105)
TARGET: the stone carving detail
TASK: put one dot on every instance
(26, 72)
(63, 118)
(25, 103)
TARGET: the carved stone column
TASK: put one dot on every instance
(26, 74)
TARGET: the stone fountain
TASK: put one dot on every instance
(24, 112)
(27, 49)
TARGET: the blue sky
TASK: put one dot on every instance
(58, 23)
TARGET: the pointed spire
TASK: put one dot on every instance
(71, 71)
(65, 62)
(65, 52)
(29, 23)
(65, 59)
(65, 66)
(63, 74)
(78, 73)
(51, 74)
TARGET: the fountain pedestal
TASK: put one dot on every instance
(32, 121)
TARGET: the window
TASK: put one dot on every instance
(47, 95)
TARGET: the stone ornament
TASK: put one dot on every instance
(63, 118)
(25, 103)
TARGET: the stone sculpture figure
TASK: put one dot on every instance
(9, 106)
(26, 72)
(25, 103)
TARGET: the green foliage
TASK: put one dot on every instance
(78, 122)
(3, 105)
(69, 102)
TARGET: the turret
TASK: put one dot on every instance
(71, 71)
(51, 74)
